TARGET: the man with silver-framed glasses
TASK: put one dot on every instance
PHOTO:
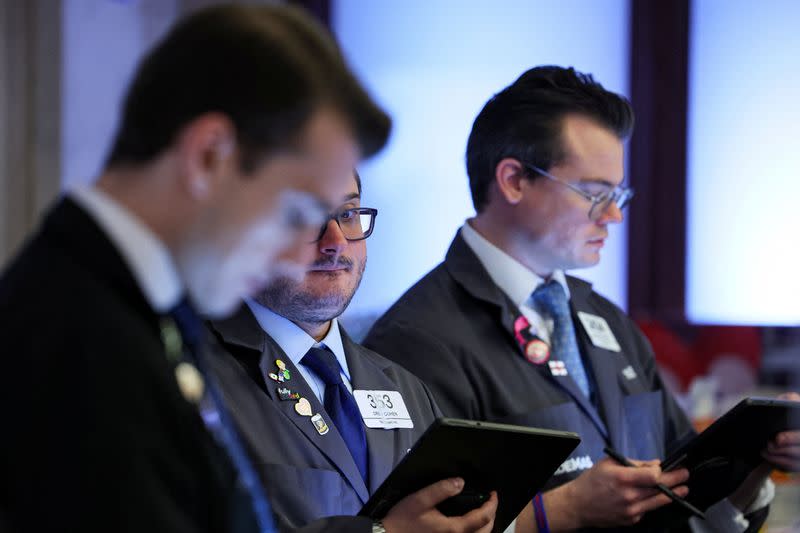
(324, 418)
(499, 332)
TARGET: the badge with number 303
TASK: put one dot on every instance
(383, 409)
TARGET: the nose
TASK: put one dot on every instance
(610, 215)
(333, 241)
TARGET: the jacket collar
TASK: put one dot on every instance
(467, 270)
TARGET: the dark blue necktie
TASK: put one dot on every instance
(340, 404)
(551, 300)
(192, 331)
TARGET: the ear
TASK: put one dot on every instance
(508, 176)
(205, 151)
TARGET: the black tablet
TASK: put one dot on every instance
(722, 456)
(515, 461)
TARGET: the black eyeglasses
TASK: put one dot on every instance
(356, 223)
(600, 202)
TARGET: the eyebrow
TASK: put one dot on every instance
(351, 196)
(601, 181)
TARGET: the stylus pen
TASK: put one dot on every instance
(621, 459)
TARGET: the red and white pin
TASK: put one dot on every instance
(534, 349)
(558, 368)
(537, 351)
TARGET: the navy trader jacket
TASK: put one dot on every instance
(309, 476)
(97, 435)
(454, 329)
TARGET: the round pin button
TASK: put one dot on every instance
(190, 382)
(537, 351)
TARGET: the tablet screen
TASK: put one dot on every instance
(723, 455)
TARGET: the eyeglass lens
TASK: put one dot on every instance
(354, 225)
(620, 198)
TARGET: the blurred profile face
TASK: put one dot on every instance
(273, 211)
(330, 282)
(553, 220)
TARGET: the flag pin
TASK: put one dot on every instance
(557, 368)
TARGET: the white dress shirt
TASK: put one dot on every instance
(514, 279)
(143, 252)
(295, 343)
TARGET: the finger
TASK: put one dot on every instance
(674, 477)
(786, 438)
(642, 476)
(634, 495)
(487, 528)
(659, 500)
(790, 396)
(479, 518)
(431, 495)
(787, 463)
(784, 451)
(651, 462)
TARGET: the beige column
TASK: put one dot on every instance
(30, 115)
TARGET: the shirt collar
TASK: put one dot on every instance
(513, 278)
(146, 256)
(293, 340)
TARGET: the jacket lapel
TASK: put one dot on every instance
(367, 373)
(605, 365)
(466, 269)
(70, 228)
(243, 330)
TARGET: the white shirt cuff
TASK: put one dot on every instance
(511, 527)
(723, 516)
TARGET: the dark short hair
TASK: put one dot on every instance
(358, 180)
(267, 68)
(524, 121)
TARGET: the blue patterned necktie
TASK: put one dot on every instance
(191, 329)
(551, 300)
(340, 404)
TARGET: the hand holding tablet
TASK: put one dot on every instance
(488, 458)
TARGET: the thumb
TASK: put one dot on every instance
(651, 462)
(789, 396)
(437, 492)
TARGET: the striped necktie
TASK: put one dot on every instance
(550, 300)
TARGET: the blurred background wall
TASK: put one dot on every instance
(709, 239)
(434, 65)
(707, 259)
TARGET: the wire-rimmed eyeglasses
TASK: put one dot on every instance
(620, 195)
(356, 223)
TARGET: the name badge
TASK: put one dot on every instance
(383, 409)
(599, 332)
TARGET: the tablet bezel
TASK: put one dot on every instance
(514, 460)
(761, 419)
(721, 457)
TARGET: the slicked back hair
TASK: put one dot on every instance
(524, 122)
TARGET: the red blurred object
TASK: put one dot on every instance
(672, 352)
(713, 341)
(686, 360)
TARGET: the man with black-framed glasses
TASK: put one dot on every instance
(304, 394)
(500, 332)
